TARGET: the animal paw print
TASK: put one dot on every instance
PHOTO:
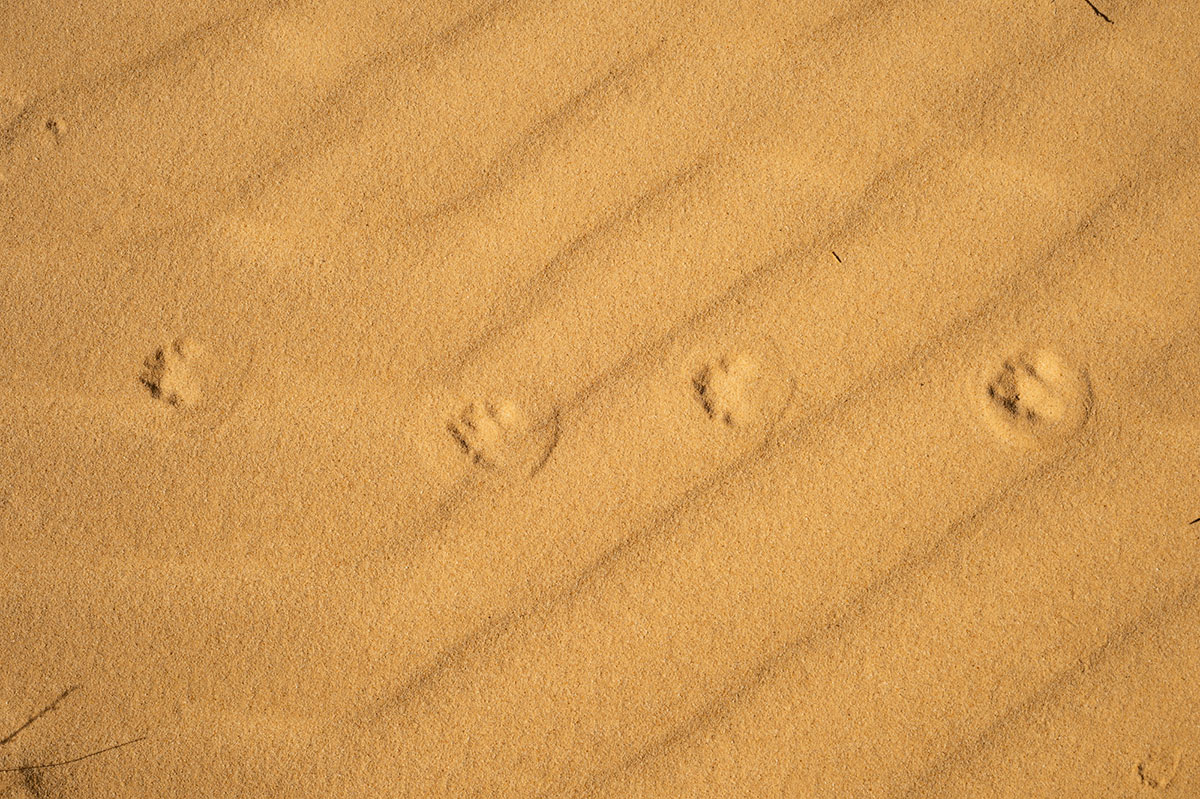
(55, 129)
(489, 432)
(725, 388)
(1034, 393)
(169, 374)
(1158, 768)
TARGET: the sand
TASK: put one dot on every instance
(646, 399)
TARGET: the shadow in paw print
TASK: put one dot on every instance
(737, 377)
(725, 389)
(497, 436)
(1034, 396)
(1158, 768)
(169, 374)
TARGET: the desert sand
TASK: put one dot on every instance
(561, 399)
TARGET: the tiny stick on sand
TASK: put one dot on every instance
(39, 714)
(1099, 13)
(74, 759)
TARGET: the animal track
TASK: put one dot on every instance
(737, 377)
(1035, 396)
(170, 374)
(484, 431)
(496, 435)
(56, 128)
(1158, 768)
(724, 389)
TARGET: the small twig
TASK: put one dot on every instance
(72, 760)
(39, 714)
(1193, 521)
(1099, 13)
(835, 255)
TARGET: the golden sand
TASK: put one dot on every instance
(635, 399)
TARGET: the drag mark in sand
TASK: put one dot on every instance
(25, 769)
(40, 766)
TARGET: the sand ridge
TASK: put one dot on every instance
(577, 399)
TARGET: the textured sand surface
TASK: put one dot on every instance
(634, 399)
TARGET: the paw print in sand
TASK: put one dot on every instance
(496, 435)
(170, 374)
(1035, 395)
(725, 388)
(490, 432)
(1158, 768)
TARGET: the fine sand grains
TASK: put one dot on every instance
(1034, 397)
(496, 435)
(447, 398)
(844, 474)
(170, 374)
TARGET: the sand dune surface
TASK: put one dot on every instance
(637, 399)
